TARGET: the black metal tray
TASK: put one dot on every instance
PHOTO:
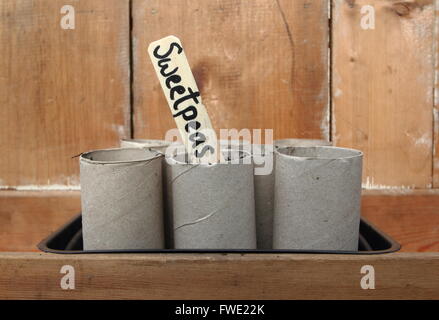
(68, 240)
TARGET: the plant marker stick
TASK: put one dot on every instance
(184, 100)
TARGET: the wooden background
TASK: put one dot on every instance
(305, 68)
(301, 67)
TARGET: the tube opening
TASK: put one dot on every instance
(231, 156)
(320, 152)
(120, 155)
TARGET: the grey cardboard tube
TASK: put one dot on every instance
(264, 195)
(264, 187)
(121, 197)
(301, 143)
(167, 185)
(317, 198)
(213, 205)
(161, 146)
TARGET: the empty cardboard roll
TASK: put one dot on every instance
(213, 205)
(121, 196)
(317, 198)
(300, 143)
(177, 148)
(264, 186)
(264, 194)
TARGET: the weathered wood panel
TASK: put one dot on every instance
(436, 101)
(382, 89)
(62, 92)
(28, 217)
(217, 276)
(411, 219)
(258, 64)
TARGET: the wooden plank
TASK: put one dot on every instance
(382, 89)
(28, 217)
(436, 101)
(62, 91)
(258, 64)
(217, 276)
(413, 219)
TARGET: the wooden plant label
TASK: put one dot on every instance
(184, 100)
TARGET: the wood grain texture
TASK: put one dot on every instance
(382, 89)
(258, 64)
(413, 219)
(436, 101)
(28, 217)
(217, 276)
(62, 92)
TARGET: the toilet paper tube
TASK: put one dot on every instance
(317, 198)
(121, 196)
(213, 205)
(282, 143)
(167, 183)
(264, 187)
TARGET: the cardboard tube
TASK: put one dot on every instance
(264, 191)
(264, 188)
(213, 205)
(121, 196)
(167, 191)
(300, 143)
(264, 195)
(317, 198)
(167, 185)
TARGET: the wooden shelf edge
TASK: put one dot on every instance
(219, 276)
